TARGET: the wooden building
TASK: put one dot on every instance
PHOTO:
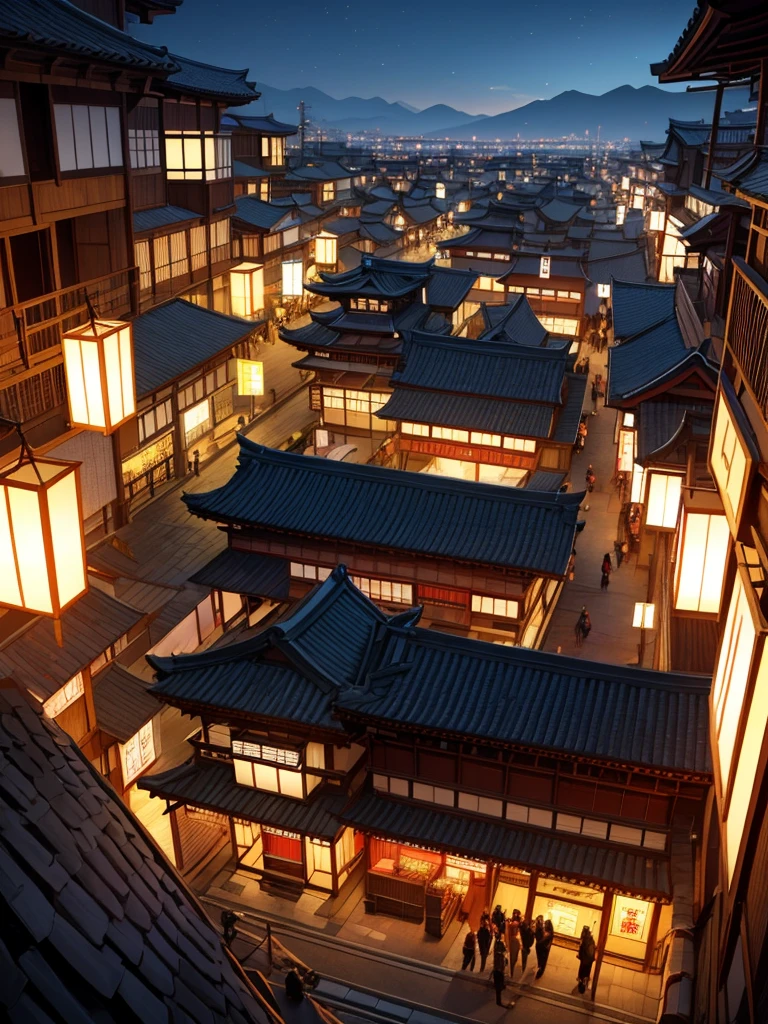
(491, 409)
(728, 42)
(259, 152)
(479, 557)
(341, 733)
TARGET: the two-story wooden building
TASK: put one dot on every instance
(481, 558)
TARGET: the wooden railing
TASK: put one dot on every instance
(746, 331)
(30, 331)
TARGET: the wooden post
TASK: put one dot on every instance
(532, 884)
(713, 134)
(176, 840)
(602, 936)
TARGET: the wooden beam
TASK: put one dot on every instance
(713, 135)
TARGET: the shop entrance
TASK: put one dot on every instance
(569, 907)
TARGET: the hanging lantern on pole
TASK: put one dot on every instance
(42, 546)
(98, 362)
(247, 289)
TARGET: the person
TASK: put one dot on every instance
(468, 951)
(606, 570)
(499, 919)
(583, 626)
(603, 310)
(543, 946)
(571, 571)
(625, 552)
(618, 548)
(595, 396)
(538, 924)
(527, 940)
(499, 964)
(586, 955)
(513, 943)
(484, 940)
(590, 478)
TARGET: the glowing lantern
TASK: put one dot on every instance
(643, 617)
(657, 220)
(98, 362)
(545, 265)
(440, 190)
(42, 548)
(663, 501)
(621, 214)
(604, 291)
(326, 247)
(702, 553)
(250, 377)
(247, 289)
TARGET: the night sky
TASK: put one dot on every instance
(481, 58)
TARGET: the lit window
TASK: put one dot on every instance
(293, 278)
(495, 606)
(701, 556)
(385, 590)
(604, 291)
(325, 250)
(520, 444)
(329, 191)
(65, 696)
(276, 755)
(663, 501)
(417, 429)
(449, 434)
(87, 137)
(197, 156)
(491, 440)
(137, 753)
(729, 460)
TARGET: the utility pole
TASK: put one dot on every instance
(302, 129)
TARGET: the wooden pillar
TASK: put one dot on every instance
(602, 937)
(176, 840)
(713, 134)
(652, 936)
(532, 885)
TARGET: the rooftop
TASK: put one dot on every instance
(414, 512)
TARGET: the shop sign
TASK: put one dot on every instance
(630, 918)
(465, 865)
(280, 832)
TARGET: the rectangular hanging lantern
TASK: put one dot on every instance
(250, 377)
(544, 267)
(247, 289)
(42, 547)
(326, 250)
(98, 362)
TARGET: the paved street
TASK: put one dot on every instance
(612, 637)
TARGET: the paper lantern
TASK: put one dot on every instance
(42, 547)
(644, 613)
(98, 362)
(326, 249)
(246, 283)
(250, 377)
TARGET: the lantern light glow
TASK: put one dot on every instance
(247, 289)
(643, 617)
(98, 362)
(42, 547)
(326, 249)
(250, 377)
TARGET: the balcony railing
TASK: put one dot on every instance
(30, 332)
(746, 332)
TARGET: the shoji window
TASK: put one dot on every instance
(11, 158)
(87, 137)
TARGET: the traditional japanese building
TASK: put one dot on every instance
(354, 346)
(490, 409)
(479, 557)
(464, 773)
(259, 153)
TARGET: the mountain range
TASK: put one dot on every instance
(354, 114)
(625, 112)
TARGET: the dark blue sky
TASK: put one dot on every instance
(480, 57)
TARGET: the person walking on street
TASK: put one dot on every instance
(527, 940)
(499, 965)
(543, 947)
(590, 478)
(583, 626)
(618, 548)
(513, 944)
(499, 920)
(586, 955)
(484, 940)
(468, 951)
(606, 570)
(595, 392)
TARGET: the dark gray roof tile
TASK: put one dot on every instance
(82, 910)
(156, 972)
(25, 899)
(140, 1000)
(102, 968)
(106, 871)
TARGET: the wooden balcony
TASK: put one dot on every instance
(746, 332)
(31, 332)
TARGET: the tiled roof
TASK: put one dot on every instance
(545, 480)
(319, 171)
(658, 420)
(160, 217)
(646, 357)
(559, 212)
(389, 279)
(241, 169)
(213, 787)
(90, 626)
(468, 412)
(448, 287)
(242, 572)
(529, 264)
(624, 267)
(515, 322)
(750, 174)
(569, 416)
(257, 213)
(265, 123)
(492, 369)
(178, 336)
(57, 25)
(123, 702)
(415, 512)
(97, 926)
(637, 306)
(450, 684)
(209, 80)
(548, 853)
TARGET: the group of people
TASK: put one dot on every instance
(507, 939)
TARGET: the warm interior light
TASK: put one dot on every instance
(626, 450)
(643, 617)
(42, 547)
(250, 377)
(545, 265)
(326, 249)
(657, 220)
(702, 552)
(440, 190)
(98, 363)
(663, 501)
(604, 291)
(247, 289)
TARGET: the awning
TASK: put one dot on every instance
(123, 703)
(636, 874)
(242, 572)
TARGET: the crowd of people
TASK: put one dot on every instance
(506, 940)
